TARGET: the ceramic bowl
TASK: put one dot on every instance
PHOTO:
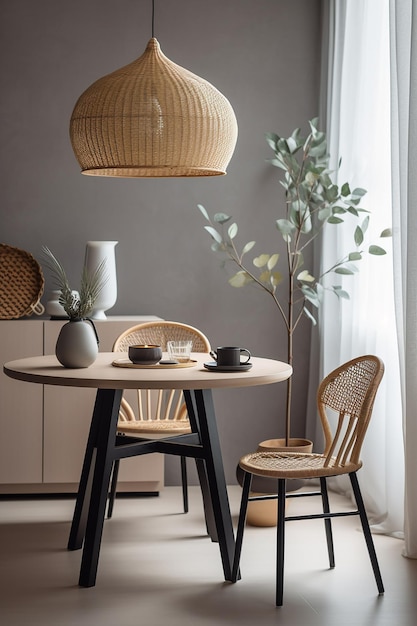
(145, 355)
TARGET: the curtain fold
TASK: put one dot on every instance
(357, 124)
(403, 64)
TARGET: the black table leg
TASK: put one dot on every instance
(219, 501)
(207, 504)
(201, 468)
(94, 484)
(79, 520)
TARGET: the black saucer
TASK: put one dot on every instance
(213, 367)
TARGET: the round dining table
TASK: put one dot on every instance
(110, 374)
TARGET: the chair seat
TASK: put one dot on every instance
(167, 427)
(293, 465)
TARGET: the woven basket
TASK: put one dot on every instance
(21, 283)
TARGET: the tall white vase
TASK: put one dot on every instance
(95, 253)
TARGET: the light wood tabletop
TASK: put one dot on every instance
(103, 375)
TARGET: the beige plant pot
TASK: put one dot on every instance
(264, 512)
(278, 445)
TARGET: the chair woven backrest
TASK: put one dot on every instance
(350, 392)
(164, 405)
(158, 333)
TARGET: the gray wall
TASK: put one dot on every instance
(264, 56)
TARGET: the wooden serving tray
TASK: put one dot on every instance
(129, 364)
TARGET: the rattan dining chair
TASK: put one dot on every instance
(345, 397)
(158, 413)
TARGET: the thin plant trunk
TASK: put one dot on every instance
(289, 353)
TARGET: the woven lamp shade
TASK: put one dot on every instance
(153, 118)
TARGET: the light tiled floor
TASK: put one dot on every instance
(157, 567)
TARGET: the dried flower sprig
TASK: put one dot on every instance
(77, 308)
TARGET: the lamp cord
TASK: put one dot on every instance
(153, 18)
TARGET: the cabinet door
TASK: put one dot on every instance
(21, 428)
(67, 417)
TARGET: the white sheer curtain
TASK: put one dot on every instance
(403, 30)
(358, 123)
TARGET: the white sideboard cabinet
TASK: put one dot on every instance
(44, 429)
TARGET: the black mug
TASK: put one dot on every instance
(229, 356)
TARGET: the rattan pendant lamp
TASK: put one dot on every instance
(153, 118)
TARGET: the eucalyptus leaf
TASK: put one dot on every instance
(221, 218)
(305, 276)
(272, 261)
(353, 202)
(335, 220)
(285, 227)
(203, 212)
(265, 276)
(310, 295)
(277, 163)
(240, 279)
(216, 247)
(358, 236)
(213, 232)
(358, 192)
(275, 278)
(310, 316)
(282, 146)
(376, 250)
(306, 222)
(292, 144)
(272, 140)
(332, 193)
(318, 150)
(314, 124)
(344, 270)
(355, 256)
(387, 232)
(324, 213)
(232, 231)
(353, 211)
(248, 247)
(340, 293)
(261, 261)
(345, 191)
(365, 224)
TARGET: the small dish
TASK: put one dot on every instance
(128, 363)
(213, 367)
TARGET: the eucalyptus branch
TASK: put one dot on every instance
(298, 318)
(238, 261)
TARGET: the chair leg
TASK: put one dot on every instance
(247, 481)
(367, 531)
(184, 483)
(113, 486)
(327, 521)
(280, 542)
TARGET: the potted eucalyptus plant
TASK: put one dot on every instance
(77, 343)
(312, 201)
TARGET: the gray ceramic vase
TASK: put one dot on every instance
(77, 344)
